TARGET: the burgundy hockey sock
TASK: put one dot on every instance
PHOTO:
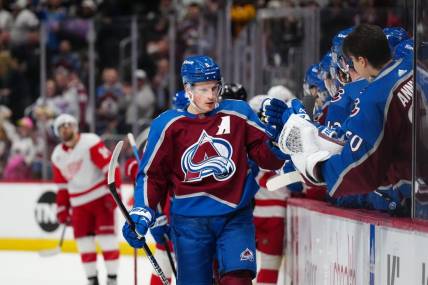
(240, 277)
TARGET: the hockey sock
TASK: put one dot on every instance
(269, 268)
(88, 255)
(239, 277)
(110, 249)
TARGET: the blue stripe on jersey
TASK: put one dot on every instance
(367, 126)
(154, 141)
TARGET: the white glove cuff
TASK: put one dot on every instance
(307, 165)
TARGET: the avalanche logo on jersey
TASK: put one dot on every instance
(210, 156)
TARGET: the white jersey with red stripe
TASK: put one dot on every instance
(82, 169)
(269, 203)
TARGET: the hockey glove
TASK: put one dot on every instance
(63, 215)
(301, 140)
(160, 229)
(143, 218)
(63, 207)
(295, 107)
(272, 110)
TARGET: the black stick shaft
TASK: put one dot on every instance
(155, 264)
(168, 253)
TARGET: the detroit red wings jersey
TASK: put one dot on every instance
(269, 203)
(82, 169)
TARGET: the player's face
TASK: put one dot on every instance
(67, 132)
(360, 66)
(204, 96)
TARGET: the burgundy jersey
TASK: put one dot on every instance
(203, 160)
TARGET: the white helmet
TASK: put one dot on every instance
(280, 92)
(64, 119)
(256, 102)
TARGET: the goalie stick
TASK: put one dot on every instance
(57, 249)
(282, 180)
(165, 237)
(113, 191)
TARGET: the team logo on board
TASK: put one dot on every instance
(209, 156)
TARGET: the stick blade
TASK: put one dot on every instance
(131, 140)
(280, 181)
(113, 162)
(49, 252)
(142, 138)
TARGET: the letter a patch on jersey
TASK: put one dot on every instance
(224, 127)
(209, 156)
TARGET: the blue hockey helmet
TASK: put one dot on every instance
(336, 44)
(395, 35)
(404, 49)
(326, 66)
(341, 62)
(199, 68)
(312, 78)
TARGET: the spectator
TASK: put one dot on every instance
(22, 152)
(53, 15)
(25, 23)
(110, 97)
(5, 114)
(6, 19)
(143, 106)
(110, 84)
(160, 83)
(66, 57)
(45, 108)
(68, 101)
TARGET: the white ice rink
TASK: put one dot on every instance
(28, 268)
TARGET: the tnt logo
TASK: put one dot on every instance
(45, 212)
(209, 156)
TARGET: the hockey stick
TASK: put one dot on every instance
(282, 180)
(165, 237)
(113, 191)
(57, 249)
(142, 137)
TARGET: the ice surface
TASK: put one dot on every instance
(28, 268)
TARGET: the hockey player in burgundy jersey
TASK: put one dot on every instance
(201, 155)
(378, 147)
(79, 166)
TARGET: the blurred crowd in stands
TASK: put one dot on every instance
(26, 115)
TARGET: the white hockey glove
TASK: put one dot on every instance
(302, 141)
